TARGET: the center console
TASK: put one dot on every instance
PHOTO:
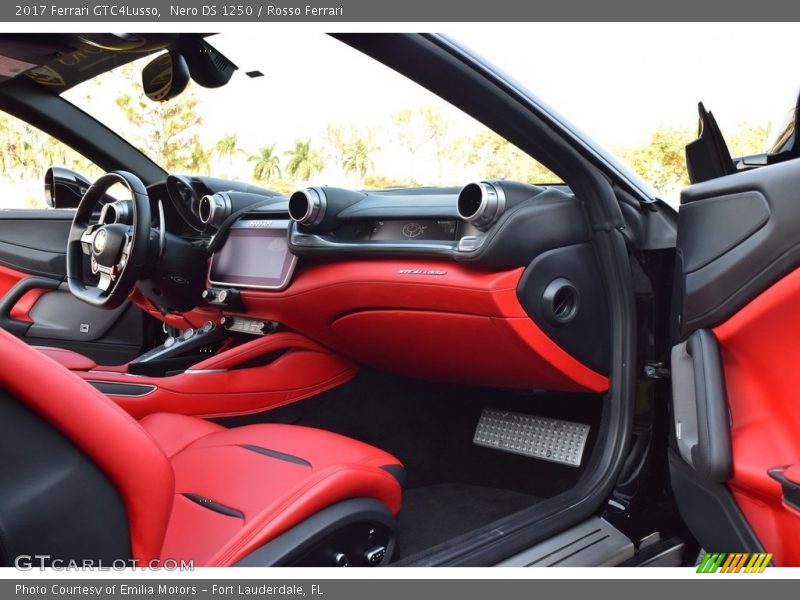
(179, 353)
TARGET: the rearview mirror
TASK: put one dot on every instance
(165, 77)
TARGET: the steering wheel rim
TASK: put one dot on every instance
(119, 254)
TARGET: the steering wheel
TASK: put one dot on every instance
(117, 246)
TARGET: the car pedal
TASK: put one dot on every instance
(528, 435)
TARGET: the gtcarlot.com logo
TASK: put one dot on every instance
(28, 562)
(737, 562)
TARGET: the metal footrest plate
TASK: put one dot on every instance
(538, 437)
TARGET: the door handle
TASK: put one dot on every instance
(15, 294)
(789, 486)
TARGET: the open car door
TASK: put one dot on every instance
(735, 451)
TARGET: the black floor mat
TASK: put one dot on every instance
(433, 514)
(453, 486)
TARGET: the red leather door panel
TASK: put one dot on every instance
(761, 354)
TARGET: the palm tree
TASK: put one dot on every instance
(267, 164)
(304, 162)
(358, 156)
(227, 147)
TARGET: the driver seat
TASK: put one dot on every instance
(82, 479)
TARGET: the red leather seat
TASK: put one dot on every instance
(193, 489)
(270, 476)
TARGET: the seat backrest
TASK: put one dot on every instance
(99, 431)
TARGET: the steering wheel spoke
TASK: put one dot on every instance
(86, 240)
(105, 282)
(126, 250)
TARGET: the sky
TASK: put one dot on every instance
(616, 82)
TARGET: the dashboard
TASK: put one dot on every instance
(495, 283)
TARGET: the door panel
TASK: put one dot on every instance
(738, 286)
(35, 302)
(35, 241)
(761, 354)
(737, 235)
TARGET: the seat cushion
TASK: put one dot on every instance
(236, 489)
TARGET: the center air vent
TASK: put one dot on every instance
(307, 207)
(481, 204)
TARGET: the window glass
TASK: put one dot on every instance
(26, 153)
(321, 113)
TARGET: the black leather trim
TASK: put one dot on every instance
(54, 499)
(398, 472)
(586, 336)
(714, 226)
(710, 510)
(215, 506)
(737, 236)
(789, 488)
(113, 388)
(319, 530)
(275, 454)
(711, 456)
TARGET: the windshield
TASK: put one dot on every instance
(326, 114)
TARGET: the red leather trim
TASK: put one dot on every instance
(465, 349)
(255, 348)
(22, 309)
(209, 461)
(760, 355)
(305, 370)
(792, 473)
(8, 279)
(104, 431)
(326, 294)
(67, 358)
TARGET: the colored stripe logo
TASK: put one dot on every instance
(738, 562)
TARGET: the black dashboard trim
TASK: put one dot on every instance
(514, 240)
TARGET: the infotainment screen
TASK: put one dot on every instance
(254, 255)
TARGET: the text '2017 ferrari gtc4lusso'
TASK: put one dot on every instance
(356, 323)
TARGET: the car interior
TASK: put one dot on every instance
(211, 370)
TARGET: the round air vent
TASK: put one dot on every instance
(560, 301)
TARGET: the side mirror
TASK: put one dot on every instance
(165, 77)
(64, 188)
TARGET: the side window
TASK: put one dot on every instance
(26, 153)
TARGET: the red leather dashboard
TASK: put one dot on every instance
(434, 320)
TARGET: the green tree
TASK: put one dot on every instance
(167, 132)
(304, 161)
(748, 139)
(358, 154)
(497, 158)
(267, 164)
(336, 142)
(438, 127)
(228, 147)
(661, 160)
